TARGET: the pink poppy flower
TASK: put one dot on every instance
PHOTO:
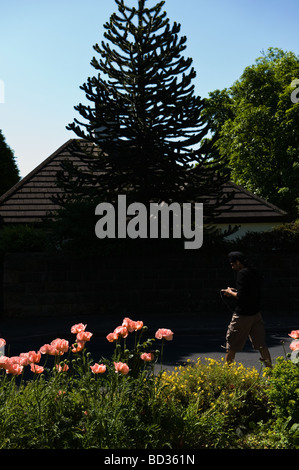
(61, 345)
(49, 349)
(128, 323)
(294, 334)
(24, 359)
(78, 346)
(121, 367)
(62, 368)
(132, 325)
(78, 328)
(84, 336)
(147, 357)
(121, 331)
(164, 333)
(138, 325)
(98, 368)
(112, 337)
(2, 342)
(3, 361)
(15, 360)
(294, 346)
(36, 369)
(13, 368)
(33, 356)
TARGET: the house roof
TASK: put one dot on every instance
(247, 207)
(30, 200)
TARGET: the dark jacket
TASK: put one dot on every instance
(248, 285)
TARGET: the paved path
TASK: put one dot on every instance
(210, 346)
(188, 343)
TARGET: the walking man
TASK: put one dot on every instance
(247, 319)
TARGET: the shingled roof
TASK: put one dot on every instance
(247, 207)
(30, 200)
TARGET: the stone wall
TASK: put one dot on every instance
(43, 284)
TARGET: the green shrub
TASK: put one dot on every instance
(283, 393)
(23, 238)
(285, 237)
(221, 400)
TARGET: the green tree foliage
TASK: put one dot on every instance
(256, 125)
(9, 173)
(144, 117)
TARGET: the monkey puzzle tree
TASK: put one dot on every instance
(144, 118)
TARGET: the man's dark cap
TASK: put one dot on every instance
(234, 256)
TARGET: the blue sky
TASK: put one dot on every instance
(46, 48)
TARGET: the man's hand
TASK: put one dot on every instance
(230, 292)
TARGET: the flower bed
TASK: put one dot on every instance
(130, 402)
